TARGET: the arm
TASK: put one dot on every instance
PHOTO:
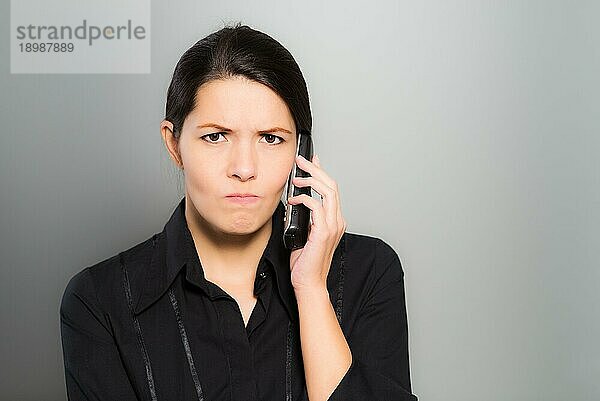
(379, 369)
(93, 368)
(325, 352)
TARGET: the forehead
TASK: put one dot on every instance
(239, 102)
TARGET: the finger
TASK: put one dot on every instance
(333, 209)
(320, 175)
(335, 221)
(317, 211)
(316, 160)
(328, 196)
(316, 184)
(314, 170)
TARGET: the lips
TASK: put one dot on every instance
(243, 199)
(241, 195)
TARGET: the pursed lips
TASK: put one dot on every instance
(242, 198)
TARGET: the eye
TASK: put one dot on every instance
(212, 138)
(214, 135)
(271, 137)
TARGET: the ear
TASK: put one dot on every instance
(171, 143)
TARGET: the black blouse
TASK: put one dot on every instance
(146, 325)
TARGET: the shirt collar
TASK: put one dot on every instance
(174, 248)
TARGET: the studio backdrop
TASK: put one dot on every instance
(463, 133)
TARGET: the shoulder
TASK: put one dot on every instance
(366, 263)
(373, 256)
(96, 282)
(366, 268)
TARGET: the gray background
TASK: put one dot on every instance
(465, 134)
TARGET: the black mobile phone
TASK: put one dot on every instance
(297, 216)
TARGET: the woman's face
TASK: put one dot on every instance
(240, 138)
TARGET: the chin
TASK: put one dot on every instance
(243, 221)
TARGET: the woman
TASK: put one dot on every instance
(214, 307)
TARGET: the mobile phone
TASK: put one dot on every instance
(297, 216)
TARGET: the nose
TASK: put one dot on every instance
(243, 161)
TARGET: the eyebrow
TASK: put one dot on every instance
(217, 126)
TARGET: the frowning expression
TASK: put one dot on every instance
(239, 139)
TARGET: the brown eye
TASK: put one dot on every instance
(271, 137)
(213, 137)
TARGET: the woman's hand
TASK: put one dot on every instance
(310, 265)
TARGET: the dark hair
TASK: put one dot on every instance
(237, 50)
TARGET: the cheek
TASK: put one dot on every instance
(280, 172)
(200, 172)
